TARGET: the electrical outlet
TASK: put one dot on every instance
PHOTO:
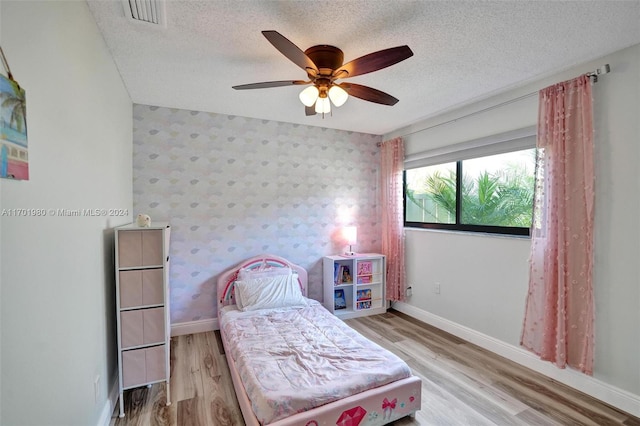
(96, 388)
(437, 288)
(409, 291)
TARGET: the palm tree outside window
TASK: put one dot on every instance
(487, 194)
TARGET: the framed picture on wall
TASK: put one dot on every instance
(14, 160)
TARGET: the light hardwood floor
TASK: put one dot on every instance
(462, 384)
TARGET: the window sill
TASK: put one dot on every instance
(469, 233)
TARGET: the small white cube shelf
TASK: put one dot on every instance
(354, 286)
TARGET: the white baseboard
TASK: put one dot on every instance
(191, 327)
(612, 395)
(110, 404)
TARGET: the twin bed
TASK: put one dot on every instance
(294, 363)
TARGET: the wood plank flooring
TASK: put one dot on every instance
(462, 384)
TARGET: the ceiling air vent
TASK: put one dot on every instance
(149, 11)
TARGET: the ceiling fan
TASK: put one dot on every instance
(324, 65)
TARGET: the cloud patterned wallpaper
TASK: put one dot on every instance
(235, 187)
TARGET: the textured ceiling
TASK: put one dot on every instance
(463, 51)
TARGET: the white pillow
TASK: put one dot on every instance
(269, 292)
(236, 294)
(245, 274)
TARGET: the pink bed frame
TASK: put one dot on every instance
(374, 407)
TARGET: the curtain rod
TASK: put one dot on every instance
(605, 69)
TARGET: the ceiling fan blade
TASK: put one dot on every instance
(368, 94)
(375, 61)
(310, 110)
(290, 50)
(267, 84)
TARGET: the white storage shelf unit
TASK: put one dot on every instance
(358, 280)
(142, 300)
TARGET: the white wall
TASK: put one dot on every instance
(484, 279)
(57, 301)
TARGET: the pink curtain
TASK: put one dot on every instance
(392, 158)
(559, 315)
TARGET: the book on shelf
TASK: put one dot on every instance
(365, 272)
(365, 279)
(365, 267)
(366, 304)
(343, 274)
(364, 294)
(339, 302)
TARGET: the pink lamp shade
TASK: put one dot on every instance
(350, 234)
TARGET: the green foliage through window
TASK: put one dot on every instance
(493, 194)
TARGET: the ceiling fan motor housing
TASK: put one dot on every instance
(327, 58)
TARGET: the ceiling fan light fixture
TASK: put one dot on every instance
(323, 106)
(324, 64)
(338, 95)
(309, 95)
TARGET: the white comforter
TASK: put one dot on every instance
(294, 359)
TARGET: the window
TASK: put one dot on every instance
(492, 193)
